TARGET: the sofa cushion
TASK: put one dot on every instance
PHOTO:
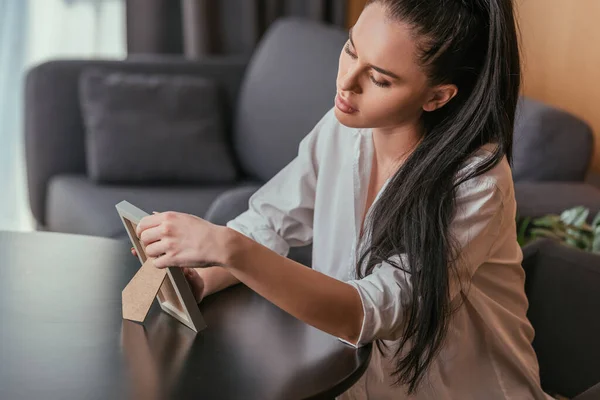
(78, 205)
(549, 144)
(152, 127)
(233, 202)
(536, 199)
(289, 86)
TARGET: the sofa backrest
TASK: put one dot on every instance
(289, 85)
(550, 144)
(54, 132)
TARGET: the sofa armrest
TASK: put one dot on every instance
(562, 289)
(536, 199)
(234, 202)
(593, 178)
(54, 133)
(592, 393)
(230, 204)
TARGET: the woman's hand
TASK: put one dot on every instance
(182, 240)
(196, 282)
(194, 278)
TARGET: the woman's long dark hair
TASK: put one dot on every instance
(472, 44)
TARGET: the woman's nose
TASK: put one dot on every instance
(349, 82)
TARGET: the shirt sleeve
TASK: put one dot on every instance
(386, 292)
(280, 213)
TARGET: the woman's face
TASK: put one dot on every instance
(380, 83)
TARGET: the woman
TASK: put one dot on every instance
(406, 193)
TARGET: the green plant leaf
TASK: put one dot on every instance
(573, 233)
(586, 243)
(523, 241)
(596, 241)
(572, 243)
(581, 242)
(585, 228)
(522, 230)
(575, 216)
(549, 221)
(537, 232)
(596, 222)
(570, 228)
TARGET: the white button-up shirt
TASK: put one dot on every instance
(320, 197)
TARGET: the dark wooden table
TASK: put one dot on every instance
(62, 335)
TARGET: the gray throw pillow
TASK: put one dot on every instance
(153, 128)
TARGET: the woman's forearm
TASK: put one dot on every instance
(216, 279)
(319, 300)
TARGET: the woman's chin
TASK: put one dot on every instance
(349, 120)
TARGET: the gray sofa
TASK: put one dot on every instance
(270, 103)
(562, 289)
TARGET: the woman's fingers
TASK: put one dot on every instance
(147, 222)
(156, 249)
(196, 283)
(133, 251)
(150, 235)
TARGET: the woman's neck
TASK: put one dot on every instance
(393, 146)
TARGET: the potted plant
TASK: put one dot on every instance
(570, 228)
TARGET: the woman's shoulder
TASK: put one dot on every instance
(498, 178)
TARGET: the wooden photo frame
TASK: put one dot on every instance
(169, 286)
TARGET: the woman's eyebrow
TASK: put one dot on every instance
(350, 37)
(380, 70)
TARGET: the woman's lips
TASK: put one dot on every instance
(344, 106)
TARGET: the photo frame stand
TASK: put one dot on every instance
(169, 286)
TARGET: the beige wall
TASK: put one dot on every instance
(354, 9)
(561, 55)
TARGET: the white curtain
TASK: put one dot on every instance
(76, 29)
(31, 32)
(13, 28)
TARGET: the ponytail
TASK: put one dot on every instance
(472, 44)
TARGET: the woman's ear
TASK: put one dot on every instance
(440, 95)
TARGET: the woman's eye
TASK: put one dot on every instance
(382, 84)
(378, 83)
(349, 52)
